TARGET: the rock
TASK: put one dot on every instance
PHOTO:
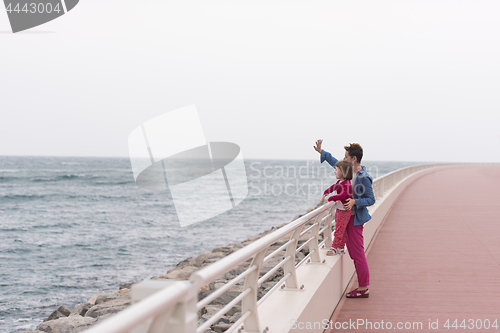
(107, 297)
(186, 262)
(171, 274)
(234, 318)
(201, 258)
(202, 311)
(218, 285)
(204, 293)
(266, 286)
(172, 270)
(217, 282)
(238, 270)
(104, 317)
(270, 265)
(237, 288)
(61, 312)
(282, 241)
(221, 327)
(213, 257)
(236, 246)
(93, 298)
(71, 324)
(210, 311)
(80, 309)
(234, 310)
(126, 285)
(123, 291)
(29, 331)
(217, 255)
(104, 308)
(225, 298)
(224, 249)
(181, 274)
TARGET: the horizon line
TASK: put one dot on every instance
(252, 158)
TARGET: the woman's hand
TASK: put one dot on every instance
(318, 146)
(349, 204)
(323, 199)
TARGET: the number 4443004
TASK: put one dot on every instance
(34, 8)
(472, 324)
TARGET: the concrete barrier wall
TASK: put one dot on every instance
(310, 309)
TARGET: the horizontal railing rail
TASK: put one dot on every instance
(312, 230)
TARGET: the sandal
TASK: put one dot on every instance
(358, 293)
(333, 252)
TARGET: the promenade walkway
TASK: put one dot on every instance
(435, 259)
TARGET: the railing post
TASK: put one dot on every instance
(249, 302)
(328, 230)
(314, 244)
(289, 267)
(182, 318)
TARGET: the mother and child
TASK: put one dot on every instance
(354, 193)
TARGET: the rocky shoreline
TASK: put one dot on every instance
(103, 305)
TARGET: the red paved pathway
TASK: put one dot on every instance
(436, 257)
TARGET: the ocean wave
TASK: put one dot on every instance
(57, 178)
(23, 196)
(63, 225)
(11, 229)
(38, 180)
(104, 196)
(115, 183)
(19, 250)
(6, 179)
(70, 176)
(20, 320)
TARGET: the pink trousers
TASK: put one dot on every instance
(342, 218)
(355, 246)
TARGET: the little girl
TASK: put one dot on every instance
(343, 172)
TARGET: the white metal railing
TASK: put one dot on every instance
(317, 223)
(388, 181)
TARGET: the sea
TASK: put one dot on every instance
(71, 227)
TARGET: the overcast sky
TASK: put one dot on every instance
(408, 80)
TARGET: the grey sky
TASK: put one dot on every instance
(408, 80)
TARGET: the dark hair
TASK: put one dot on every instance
(346, 168)
(355, 150)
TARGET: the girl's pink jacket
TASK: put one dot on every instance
(344, 191)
